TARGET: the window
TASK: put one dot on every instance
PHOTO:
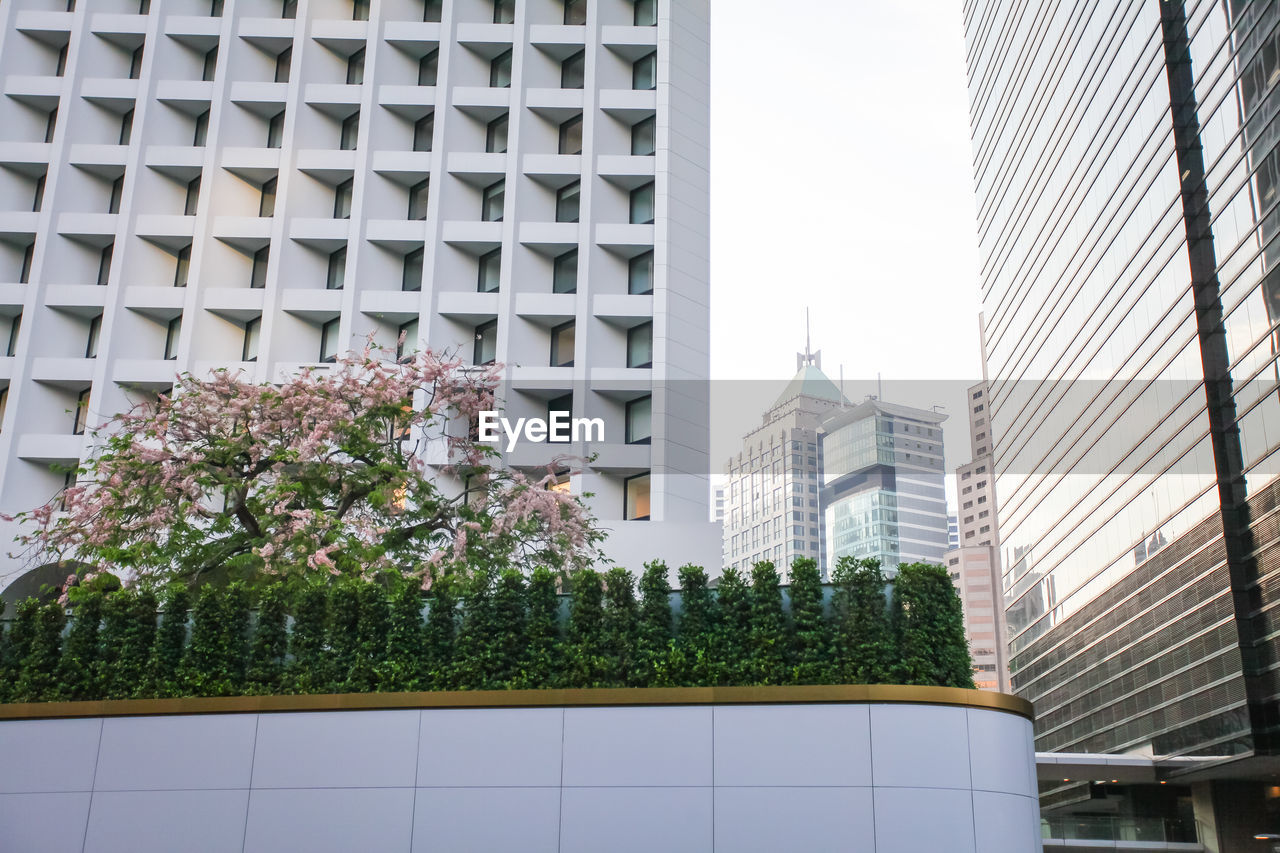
(60, 68)
(644, 137)
(355, 67)
(350, 132)
(640, 274)
(258, 275)
(81, 418)
(564, 276)
(419, 196)
(267, 203)
(640, 346)
(562, 343)
(411, 277)
(182, 269)
(559, 406)
(37, 197)
(504, 11)
(575, 12)
(144, 7)
(360, 10)
(432, 11)
(640, 421)
(423, 129)
(15, 325)
(201, 130)
(104, 264)
(95, 332)
(573, 71)
(192, 202)
(500, 70)
(135, 64)
(28, 255)
(126, 127)
(644, 73)
(50, 124)
(289, 9)
(407, 340)
(284, 62)
(571, 136)
(210, 64)
(429, 68)
(337, 273)
(275, 130)
(486, 349)
(495, 140)
(635, 504)
(252, 334)
(329, 341)
(568, 202)
(490, 272)
(171, 334)
(342, 199)
(647, 13)
(493, 201)
(642, 205)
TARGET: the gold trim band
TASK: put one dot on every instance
(788, 695)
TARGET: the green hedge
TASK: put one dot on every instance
(494, 631)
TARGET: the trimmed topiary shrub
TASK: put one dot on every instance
(171, 642)
(695, 647)
(406, 649)
(731, 649)
(770, 644)
(586, 664)
(655, 642)
(509, 615)
(621, 630)
(38, 674)
(540, 663)
(78, 669)
(270, 642)
(127, 638)
(928, 622)
(473, 664)
(344, 630)
(441, 632)
(309, 671)
(811, 634)
(863, 637)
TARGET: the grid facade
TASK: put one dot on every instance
(263, 185)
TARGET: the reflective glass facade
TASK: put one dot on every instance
(1126, 170)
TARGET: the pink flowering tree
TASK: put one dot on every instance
(323, 475)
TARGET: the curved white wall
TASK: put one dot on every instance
(882, 778)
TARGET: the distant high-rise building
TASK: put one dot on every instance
(953, 531)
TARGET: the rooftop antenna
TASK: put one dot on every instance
(879, 387)
(842, 396)
(808, 357)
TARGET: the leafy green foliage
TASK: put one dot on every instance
(769, 640)
(929, 625)
(473, 663)
(812, 635)
(38, 675)
(128, 635)
(402, 667)
(171, 642)
(78, 670)
(308, 672)
(587, 663)
(344, 634)
(863, 638)
(509, 614)
(620, 630)
(695, 648)
(21, 635)
(441, 632)
(210, 666)
(270, 642)
(541, 661)
(655, 642)
(730, 650)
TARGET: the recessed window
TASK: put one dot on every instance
(407, 340)
(350, 132)
(60, 68)
(117, 193)
(432, 11)
(171, 335)
(571, 136)
(640, 346)
(429, 68)
(51, 123)
(360, 10)
(192, 203)
(495, 138)
(11, 346)
(504, 11)
(284, 62)
(568, 202)
(642, 204)
(419, 196)
(635, 506)
(644, 137)
(135, 64)
(500, 70)
(486, 348)
(493, 201)
(337, 273)
(355, 67)
(258, 275)
(37, 195)
(80, 419)
(201, 130)
(329, 341)
(640, 274)
(573, 71)
(564, 277)
(126, 127)
(182, 268)
(144, 7)
(342, 199)
(423, 129)
(490, 272)
(104, 264)
(289, 9)
(561, 407)
(411, 276)
(267, 203)
(252, 335)
(646, 13)
(562, 344)
(640, 421)
(275, 130)
(575, 12)
(210, 68)
(644, 73)
(95, 333)
(28, 257)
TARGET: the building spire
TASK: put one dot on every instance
(808, 357)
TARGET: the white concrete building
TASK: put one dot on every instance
(262, 184)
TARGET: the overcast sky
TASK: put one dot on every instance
(842, 180)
